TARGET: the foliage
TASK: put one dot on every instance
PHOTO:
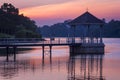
(110, 29)
(9, 8)
(26, 34)
(11, 22)
(5, 36)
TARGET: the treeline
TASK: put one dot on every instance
(110, 29)
(13, 24)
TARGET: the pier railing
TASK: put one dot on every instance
(20, 39)
(48, 41)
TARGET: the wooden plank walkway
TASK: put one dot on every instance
(75, 46)
(38, 43)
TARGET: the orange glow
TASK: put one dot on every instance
(73, 9)
(49, 11)
(70, 8)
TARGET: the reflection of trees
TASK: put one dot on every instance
(11, 68)
(85, 67)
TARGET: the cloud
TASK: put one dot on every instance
(32, 3)
(49, 14)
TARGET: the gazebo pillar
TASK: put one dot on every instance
(73, 37)
(101, 41)
(68, 33)
(88, 33)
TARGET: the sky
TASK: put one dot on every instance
(48, 12)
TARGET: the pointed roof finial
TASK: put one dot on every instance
(87, 9)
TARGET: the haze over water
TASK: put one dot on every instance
(30, 66)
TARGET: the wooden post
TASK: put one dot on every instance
(43, 56)
(43, 52)
(101, 41)
(73, 37)
(14, 49)
(88, 33)
(59, 40)
(84, 34)
(97, 40)
(91, 37)
(74, 34)
(50, 57)
(50, 52)
(7, 52)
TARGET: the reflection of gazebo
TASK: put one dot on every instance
(87, 22)
(86, 67)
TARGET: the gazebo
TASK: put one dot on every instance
(89, 42)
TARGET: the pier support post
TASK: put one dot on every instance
(7, 52)
(50, 52)
(14, 49)
(50, 57)
(43, 52)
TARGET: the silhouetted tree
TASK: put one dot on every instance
(9, 8)
(110, 29)
(11, 22)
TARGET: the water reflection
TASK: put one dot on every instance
(85, 67)
(30, 65)
(10, 69)
(82, 67)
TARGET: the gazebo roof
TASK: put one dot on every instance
(86, 18)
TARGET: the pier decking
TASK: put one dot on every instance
(78, 46)
(56, 42)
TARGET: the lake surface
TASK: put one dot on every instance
(31, 66)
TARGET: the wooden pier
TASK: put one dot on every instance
(76, 47)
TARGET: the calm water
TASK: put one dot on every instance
(30, 66)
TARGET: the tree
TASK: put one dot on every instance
(11, 23)
(9, 8)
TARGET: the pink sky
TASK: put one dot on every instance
(48, 12)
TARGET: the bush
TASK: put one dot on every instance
(26, 34)
(5, 36)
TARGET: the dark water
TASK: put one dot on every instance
(31, 66)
